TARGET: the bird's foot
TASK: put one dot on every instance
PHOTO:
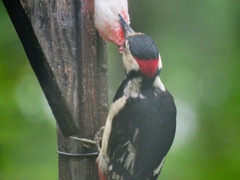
(91, 144)
(98, 137)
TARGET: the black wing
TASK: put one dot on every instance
(142, 134)
(120, 90)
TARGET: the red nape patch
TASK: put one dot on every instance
(102, 176)
(148, 67)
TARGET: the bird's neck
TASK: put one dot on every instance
(137, 84)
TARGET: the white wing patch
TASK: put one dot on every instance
(130, 160)
(114, 110)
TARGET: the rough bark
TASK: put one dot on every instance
(70, 62)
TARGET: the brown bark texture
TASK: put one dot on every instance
(70, 61)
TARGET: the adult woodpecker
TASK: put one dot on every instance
(141, 123)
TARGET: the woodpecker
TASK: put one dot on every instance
(106, 20)
(141, 123)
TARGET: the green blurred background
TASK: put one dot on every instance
(199, 42)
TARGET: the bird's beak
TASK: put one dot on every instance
(125, 27)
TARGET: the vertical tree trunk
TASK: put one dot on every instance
(70, 62)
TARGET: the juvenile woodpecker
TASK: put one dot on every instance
(106, 20)
(141, 123)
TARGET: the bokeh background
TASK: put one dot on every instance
(199, 42)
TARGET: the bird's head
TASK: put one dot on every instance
(140, 52)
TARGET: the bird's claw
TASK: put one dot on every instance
(88, 143)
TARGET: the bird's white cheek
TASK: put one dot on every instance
(129, 62)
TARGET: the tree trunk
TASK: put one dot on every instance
(70, 62)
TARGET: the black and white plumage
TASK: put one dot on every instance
(141, 123)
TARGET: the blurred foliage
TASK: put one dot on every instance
(200, 50)
(27, 129)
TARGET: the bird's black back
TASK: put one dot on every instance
(154, 117)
